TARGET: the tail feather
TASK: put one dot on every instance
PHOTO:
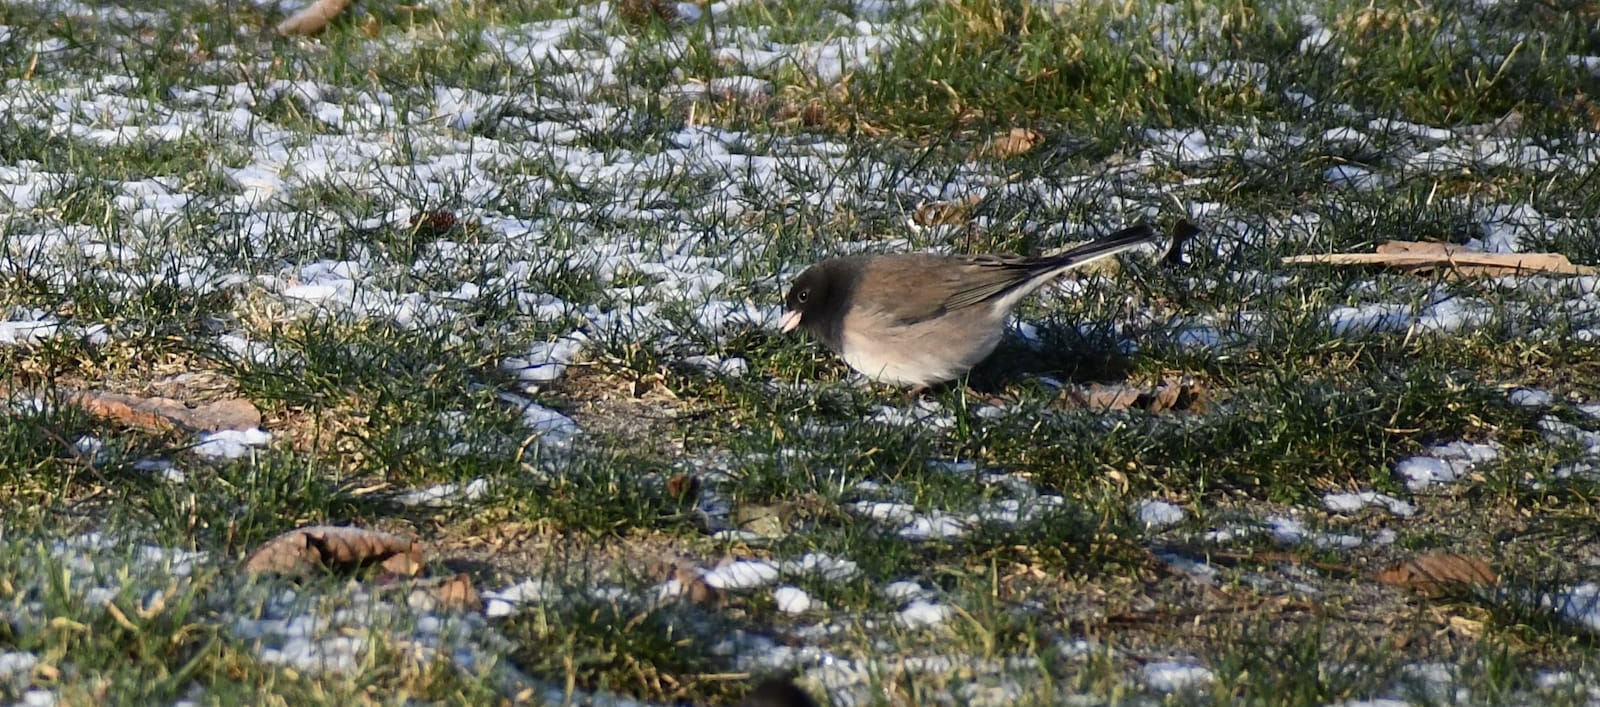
(1125, 239)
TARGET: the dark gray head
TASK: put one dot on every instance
(820, 297)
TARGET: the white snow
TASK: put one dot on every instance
(921, 612)
(1352, 502)
(1172, 676)
(791, 600)
(231, 444)
(1158, 514)
(742, 574)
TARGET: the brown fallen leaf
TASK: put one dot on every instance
(312, 18)
(695, 588)
(433, 223)
(161, 414)
(683, 486)
(306, 551)
(945, 213)
(1170, 395)
(458, 593)
(1422, 258)
(1439, 575)
(1016, 141)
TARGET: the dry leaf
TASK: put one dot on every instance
(1106, 397)
(1439, 575)
(313, 18)
(162, 414)
(306, 551)
(945, 213)
(1421, 258)
(1171, 395)
(433, 223)
(459, 593)
(1016, 141)
(695, 587)
(682, 486)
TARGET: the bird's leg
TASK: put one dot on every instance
(916, 392)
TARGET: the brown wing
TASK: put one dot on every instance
(987, 276)
(916, 287)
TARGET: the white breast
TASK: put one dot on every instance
(914, 356)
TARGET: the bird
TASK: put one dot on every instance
(777, 692)
(920, 319)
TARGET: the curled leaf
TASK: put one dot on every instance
(306, 551)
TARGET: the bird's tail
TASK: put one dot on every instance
(1125, 239)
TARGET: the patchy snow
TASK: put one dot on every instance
(742, 574)
(1352, 502)
(231, 444)
(1443, 464)
(921, 613)
(1531, 397)
(1172, 676)
(1158, 514)
(792, 600)
(545, 360)
(444, 495)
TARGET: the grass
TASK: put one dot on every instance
(583, 195)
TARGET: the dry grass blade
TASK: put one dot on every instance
(1423, 258)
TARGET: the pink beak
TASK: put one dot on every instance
(791, 319)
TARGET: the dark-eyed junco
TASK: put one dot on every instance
(778, 692)
(921, 319)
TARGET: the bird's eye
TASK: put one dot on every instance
(802, 295)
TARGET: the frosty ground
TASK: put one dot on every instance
(505, 278)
